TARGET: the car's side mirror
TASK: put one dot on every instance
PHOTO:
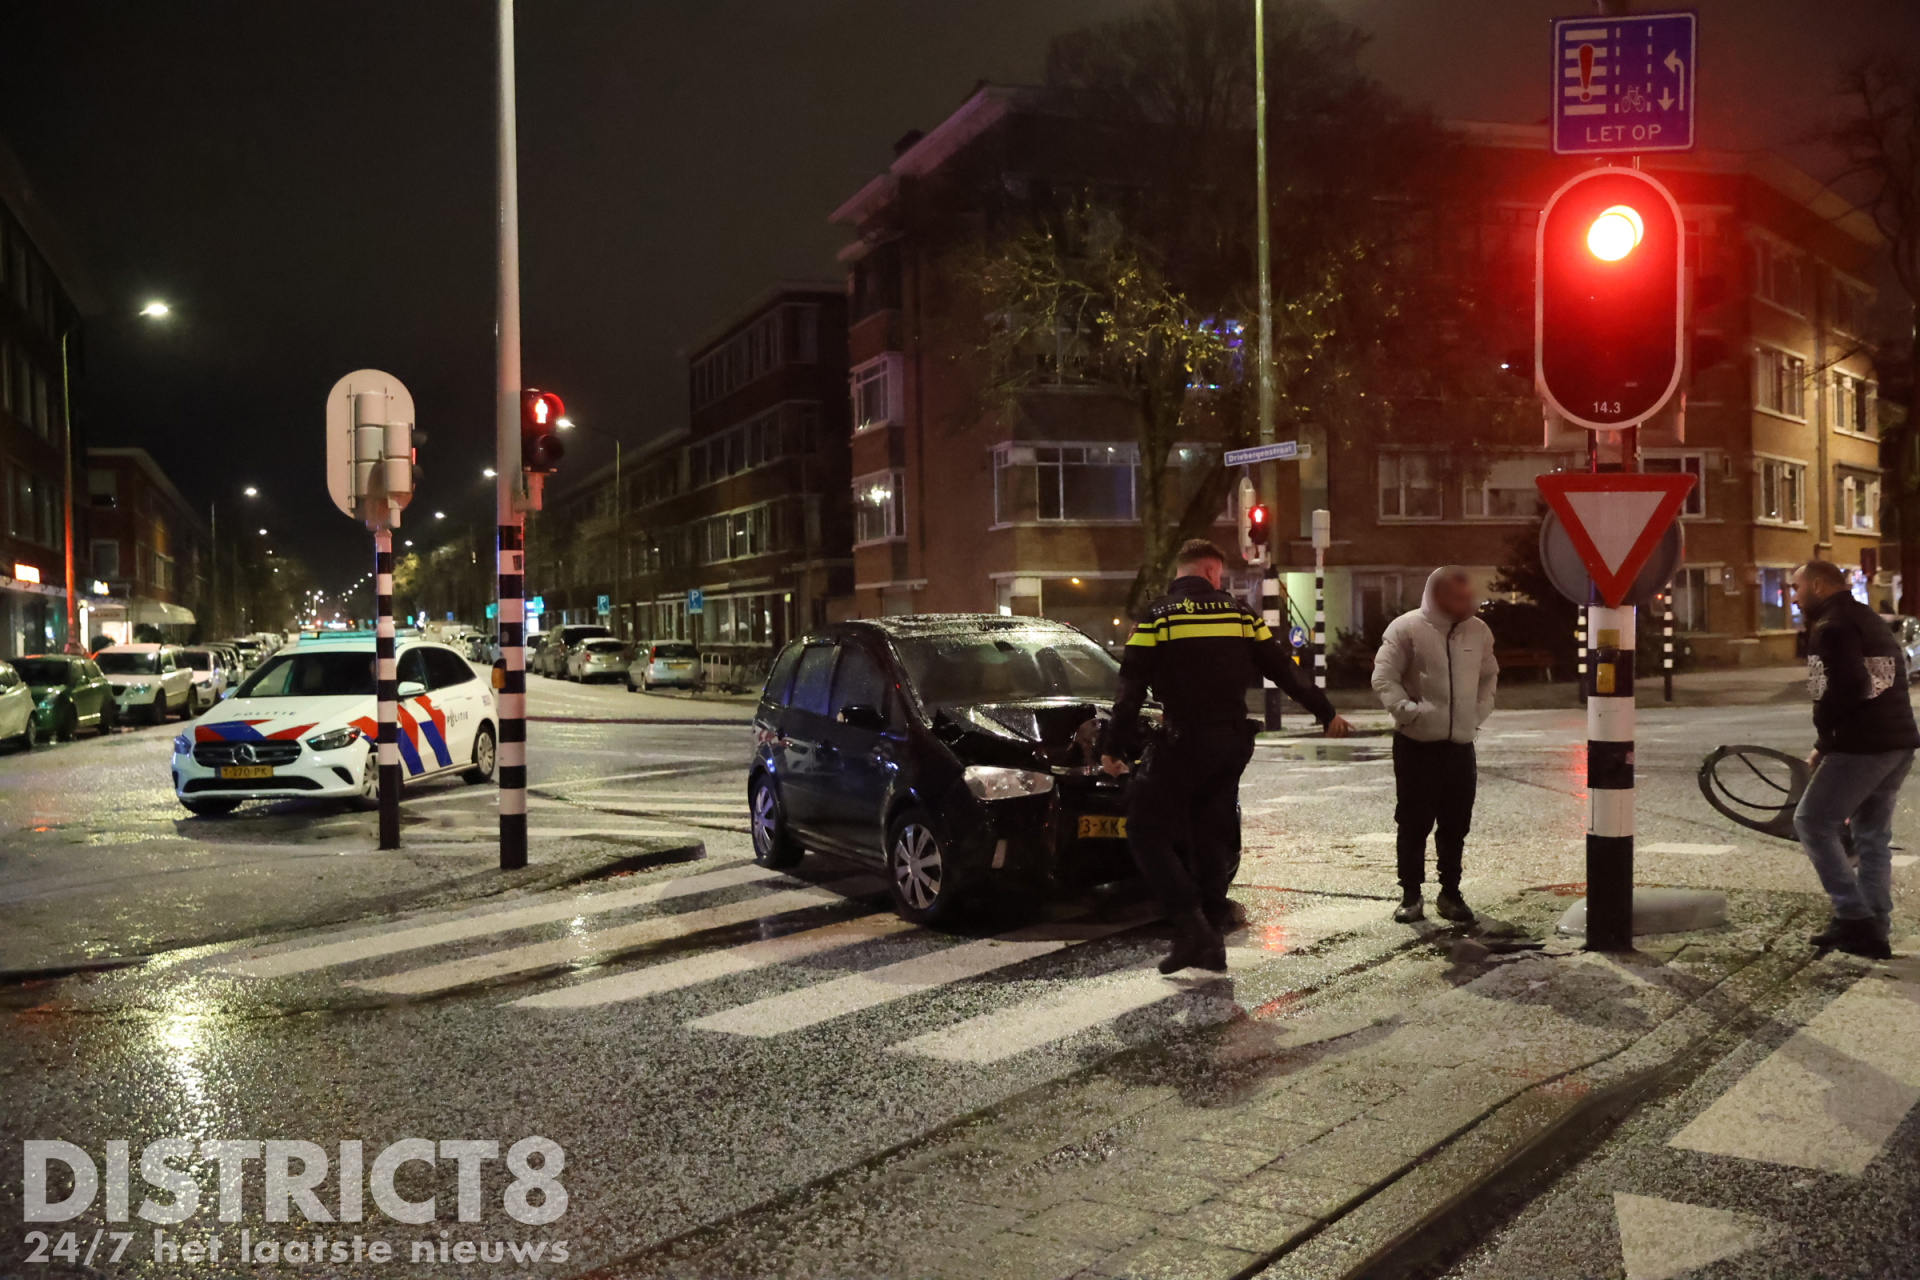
(411, 689)
(227, 693)
(864, 717)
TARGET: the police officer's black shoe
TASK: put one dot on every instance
(1827, 937)
(1452, 906)
(1195, 945)
(1411, 909)
(1226, 916)
(1860, 938)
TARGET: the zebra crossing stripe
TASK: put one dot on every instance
(1080, 1006)
(694, 970)
(392, 942)
(825, 1001)
(1831, 1096)
(542, 955)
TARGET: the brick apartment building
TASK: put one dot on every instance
(744, 510)
(37, 307)
(149, 548)
(962, 505)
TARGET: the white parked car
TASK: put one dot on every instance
(601, 658)
(209, 676)
(16, 710)
(666, 665)
(306, 722)
(149, 681)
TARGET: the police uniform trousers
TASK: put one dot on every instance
(1183, 813)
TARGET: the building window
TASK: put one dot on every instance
(106, 558)
(1850, 306)
(1780, 382)
(1507, 491)
(879, 507)
(1064, 482)
(877, 398)
(1858, 505)
(1853, 406)
(1691, 464)
(786, 334)
(1783, 492)
(1690, 596)
(1779, 275)
(1409, 487)
(1777, 610)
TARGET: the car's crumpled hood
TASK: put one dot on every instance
(1050, 731)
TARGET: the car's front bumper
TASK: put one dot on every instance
(312, 774)
(667, 675)
(1038, 840)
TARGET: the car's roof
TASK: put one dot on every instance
(933, 624)
(64, 657)
(359, 642)
(135, 648)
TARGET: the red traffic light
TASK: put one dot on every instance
(1258, 529)
(540, 415)
(1609, 325)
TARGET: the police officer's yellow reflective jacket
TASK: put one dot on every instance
(1199, 651)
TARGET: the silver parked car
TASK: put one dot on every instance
(597, 658)
(664, 665)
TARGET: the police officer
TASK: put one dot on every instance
(1199, 650)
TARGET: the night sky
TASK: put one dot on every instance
(309, 183)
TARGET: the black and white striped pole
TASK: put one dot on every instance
(1666, 641)
(1610, 780)
(386, 689)
(512, 497)
(1322, 539)
(1580, 653)
(1270, 614)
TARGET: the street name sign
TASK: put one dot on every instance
(1624, 83)
(1616, 519)
(1280, 451)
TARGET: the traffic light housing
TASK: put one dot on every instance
(1259, 526)
(540, 446)
(1609, 301)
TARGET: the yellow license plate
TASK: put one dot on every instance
(247, 771)
(1102, 826)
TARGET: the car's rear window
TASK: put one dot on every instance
(41, 670)
(675, 651)
(198, 659)
(127, 664)
(343, 674)
(1003, 666)
(604, 646)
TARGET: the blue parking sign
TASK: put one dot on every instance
(603, 605)
(696, 600)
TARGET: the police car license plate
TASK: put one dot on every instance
(247, 771)
(1102, 826)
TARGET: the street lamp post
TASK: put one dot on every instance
(619, 515)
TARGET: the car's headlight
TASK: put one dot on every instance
(990, 782)
(182, 745)
(333, 741)
(137, 689)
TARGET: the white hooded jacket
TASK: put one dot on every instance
(1436, 677)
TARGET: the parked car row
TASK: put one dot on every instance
(588, 652)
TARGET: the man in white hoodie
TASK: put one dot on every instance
(1435, 674)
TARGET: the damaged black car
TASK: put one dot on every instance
(954, 750)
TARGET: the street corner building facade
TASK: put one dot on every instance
(732, 533)
(38, 315)
(1030, 504)
(149, 550)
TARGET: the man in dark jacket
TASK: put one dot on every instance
(1199, 650)
(1864, 744)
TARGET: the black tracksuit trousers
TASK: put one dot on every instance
(1183, 813)
(1433, 785)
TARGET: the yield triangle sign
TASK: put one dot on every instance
(1616, 519)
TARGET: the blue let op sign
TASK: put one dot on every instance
(1624, 84)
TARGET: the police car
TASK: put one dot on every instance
(304, 725)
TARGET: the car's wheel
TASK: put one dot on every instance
(647, 685)
(211, 808)
(369, 796)
(922, 880)
(109, 717)
(484, 755)
(69, 726)
(156, 712)
(773, 845)
(30, 735)
(631, 686)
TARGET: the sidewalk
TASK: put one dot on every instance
(1739, 687)
(1324, 1130)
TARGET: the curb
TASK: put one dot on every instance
(536, 878)
(680, 720)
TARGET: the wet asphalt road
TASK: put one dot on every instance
(701, 1037)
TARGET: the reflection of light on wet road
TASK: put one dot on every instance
(182, 1039)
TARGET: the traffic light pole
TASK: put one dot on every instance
(1610, 729)
(511, 553)
(387, 689)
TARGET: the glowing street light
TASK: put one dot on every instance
(155, 310)
(251, 492)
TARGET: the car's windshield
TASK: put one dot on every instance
(198, 659)
(41, 670)
(1005, 666)
(342, 673)
(672, 651)
(127, 664)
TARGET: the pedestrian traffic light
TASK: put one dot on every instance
(540, 414)
(1259, 526)
(1609, 323)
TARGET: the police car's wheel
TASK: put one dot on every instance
(917, 870)
(370, 780)
(772, 845)
(211, 808)
(484, 754)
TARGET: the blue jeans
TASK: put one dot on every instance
(1862, 788)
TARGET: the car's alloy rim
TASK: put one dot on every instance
(765, 816)
(917, 869)
(370, 778)
(483, 754)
